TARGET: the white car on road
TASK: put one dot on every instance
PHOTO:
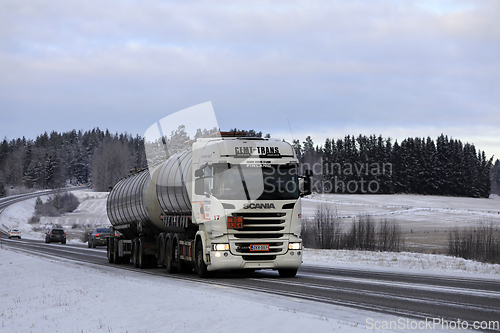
(15, 233)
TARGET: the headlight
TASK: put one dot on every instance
(294, 246)
(220, 247)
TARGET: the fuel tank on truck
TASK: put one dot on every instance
(140, 202)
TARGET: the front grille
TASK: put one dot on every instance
(259, 228)
(260, 235)
(260, 225)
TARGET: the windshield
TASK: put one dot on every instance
(255, 182)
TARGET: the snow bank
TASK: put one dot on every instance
(401, 262)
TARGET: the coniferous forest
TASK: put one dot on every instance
(371, 164)
(95, 158)
(362, 164)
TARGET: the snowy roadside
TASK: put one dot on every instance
(402, 262)
(47, 295)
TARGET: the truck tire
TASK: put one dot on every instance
(289, 272)
(116, 258)
(143, 260)
(201, 267)
(169, 262)
(135, 253)
(161, 251)
(109, 251)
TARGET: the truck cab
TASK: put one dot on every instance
(246, 203)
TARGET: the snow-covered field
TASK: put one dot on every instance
(425, 220)
(42, 294)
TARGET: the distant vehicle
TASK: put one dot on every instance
(56, 235)
(15, 233)
(99, 237)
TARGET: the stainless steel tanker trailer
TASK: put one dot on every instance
(225, 204)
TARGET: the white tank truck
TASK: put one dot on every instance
(229, 203)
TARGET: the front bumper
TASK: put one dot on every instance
(100, 242)
(225, 260)
(56, 239)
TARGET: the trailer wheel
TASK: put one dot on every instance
(201, 267)
(116, 258)
(135, 253)
(109, 254)
(289, 272)
(144, 261)
(169, 263)
(160, 252)
(140, 256)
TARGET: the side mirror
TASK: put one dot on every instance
(199, 173)
(307, 182)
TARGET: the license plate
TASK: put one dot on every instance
(259, 247)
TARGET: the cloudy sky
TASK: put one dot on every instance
(322, 68)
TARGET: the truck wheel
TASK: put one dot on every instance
(161, 251)
(143, 262)
(289, 272)
(116, 258)
(169, 263)
(201, 267)
(108, 252)
(135, 253)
